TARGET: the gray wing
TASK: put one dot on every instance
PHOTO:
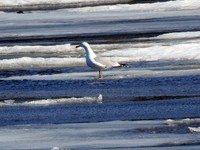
(107, 62)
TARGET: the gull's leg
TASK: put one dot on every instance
(100, 74)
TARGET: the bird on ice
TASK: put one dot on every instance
(96, 62)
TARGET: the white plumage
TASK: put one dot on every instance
(96, 62)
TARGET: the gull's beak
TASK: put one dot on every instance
(77, 46)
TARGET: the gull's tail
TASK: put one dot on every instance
(123, 65)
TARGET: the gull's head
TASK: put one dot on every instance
(89, 51)
(85, 45)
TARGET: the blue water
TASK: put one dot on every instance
(85, 113)
(162, 86)
(123, 99)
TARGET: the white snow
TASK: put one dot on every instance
(194, 129)
(46, 102)
(186, 121)
(31, 2)
(159, 6)
(36, 63)
(158, 52)
(56, 49)
(183, 50)
(179, 35)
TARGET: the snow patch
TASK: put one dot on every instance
(46, 102)
(159, 6)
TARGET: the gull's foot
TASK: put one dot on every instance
(99, 78)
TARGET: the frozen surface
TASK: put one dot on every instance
(31, 2)
(160, 6)
(61, 56)
(170, 5)
(76, 25)
(106, 135)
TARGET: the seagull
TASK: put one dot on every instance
(98, 63)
